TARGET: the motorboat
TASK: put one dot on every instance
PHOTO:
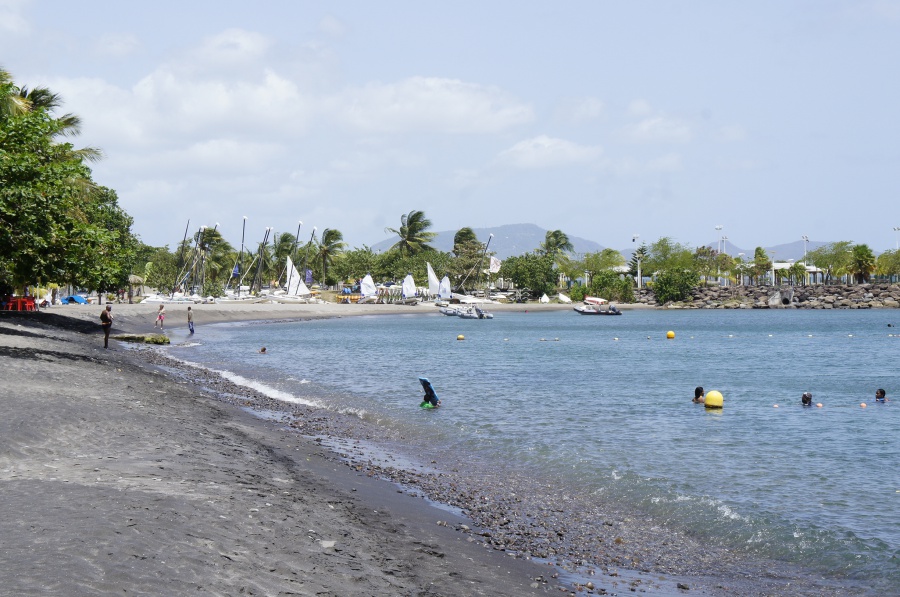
(596, 310)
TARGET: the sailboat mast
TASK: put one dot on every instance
(241, 257)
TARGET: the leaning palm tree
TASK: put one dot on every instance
(557, 245)
(330, 245)
(413, 233)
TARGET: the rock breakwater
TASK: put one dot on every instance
(819, 296)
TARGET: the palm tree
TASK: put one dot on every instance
(557, 245)
(862, 263)
(330, 245)
(413, 233)
(11, 103)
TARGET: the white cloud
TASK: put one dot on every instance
(583, 109)
(660, 129)
(231, 48)
(639, 108)
(332, 26)
(11, 19)
(116, 45)
(429, 105)
(547, 152)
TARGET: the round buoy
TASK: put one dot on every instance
(862, 404)
(670, 334)
(774, 406)
(713, 399)
(460, 337)
(818, 405)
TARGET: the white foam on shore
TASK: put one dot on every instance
(256, 386)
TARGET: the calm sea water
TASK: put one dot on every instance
(608, 399)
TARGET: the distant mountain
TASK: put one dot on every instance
(516, 239)
(508, 241)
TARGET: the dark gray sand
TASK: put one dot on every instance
(125, 473)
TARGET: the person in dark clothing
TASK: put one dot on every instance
(106, 323)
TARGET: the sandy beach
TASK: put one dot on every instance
(124, 473)
(119, 479)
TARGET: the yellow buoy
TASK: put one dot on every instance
(670, 334)
(460, 337)
(713, 399)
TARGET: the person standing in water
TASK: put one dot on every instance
(806, 399)
(698, 395)
(160, 317)
(106, 323)
(190, 320)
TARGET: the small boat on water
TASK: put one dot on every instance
(474, 313)
(596, 310)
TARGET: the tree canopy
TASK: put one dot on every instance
(56, 223)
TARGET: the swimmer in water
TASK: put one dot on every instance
(698, 395)
(262, 350)
(880, 396)
(806, 399)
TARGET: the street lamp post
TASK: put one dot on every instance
(741, 268)
(805, 264)
(897, 237)
(724, 250)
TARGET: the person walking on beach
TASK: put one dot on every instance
(698, 395)
(160, 317)
(190, 320)
(106, 323)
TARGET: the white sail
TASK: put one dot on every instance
(296, 286)
(409, 287)
(367, 286)
(433, 282)
(444, 288)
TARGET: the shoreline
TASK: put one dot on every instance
(621, 553)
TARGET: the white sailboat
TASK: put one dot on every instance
(434, 285)
(408, 291)
(297, 292)
(368, 293)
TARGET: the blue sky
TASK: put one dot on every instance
(771, 119)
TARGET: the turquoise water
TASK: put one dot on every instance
(607, 401)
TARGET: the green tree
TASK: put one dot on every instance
(354, 264)
(760, 266)
(413, 233)
(888, 264)
(674, 285)
(55, 222)
(862, 263)
(463, 239)
(534, 271)
(557, 246)
(330, 245)
(833, 258)
(668, 255)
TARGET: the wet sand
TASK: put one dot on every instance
(124, 471)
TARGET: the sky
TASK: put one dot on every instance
(770, 119)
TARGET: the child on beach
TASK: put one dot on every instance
(160, 317)
(106, 322)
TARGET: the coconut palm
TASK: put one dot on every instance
(331, 244)
(413, 233)
(556, 245)
(11, 103)
(862, 263)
